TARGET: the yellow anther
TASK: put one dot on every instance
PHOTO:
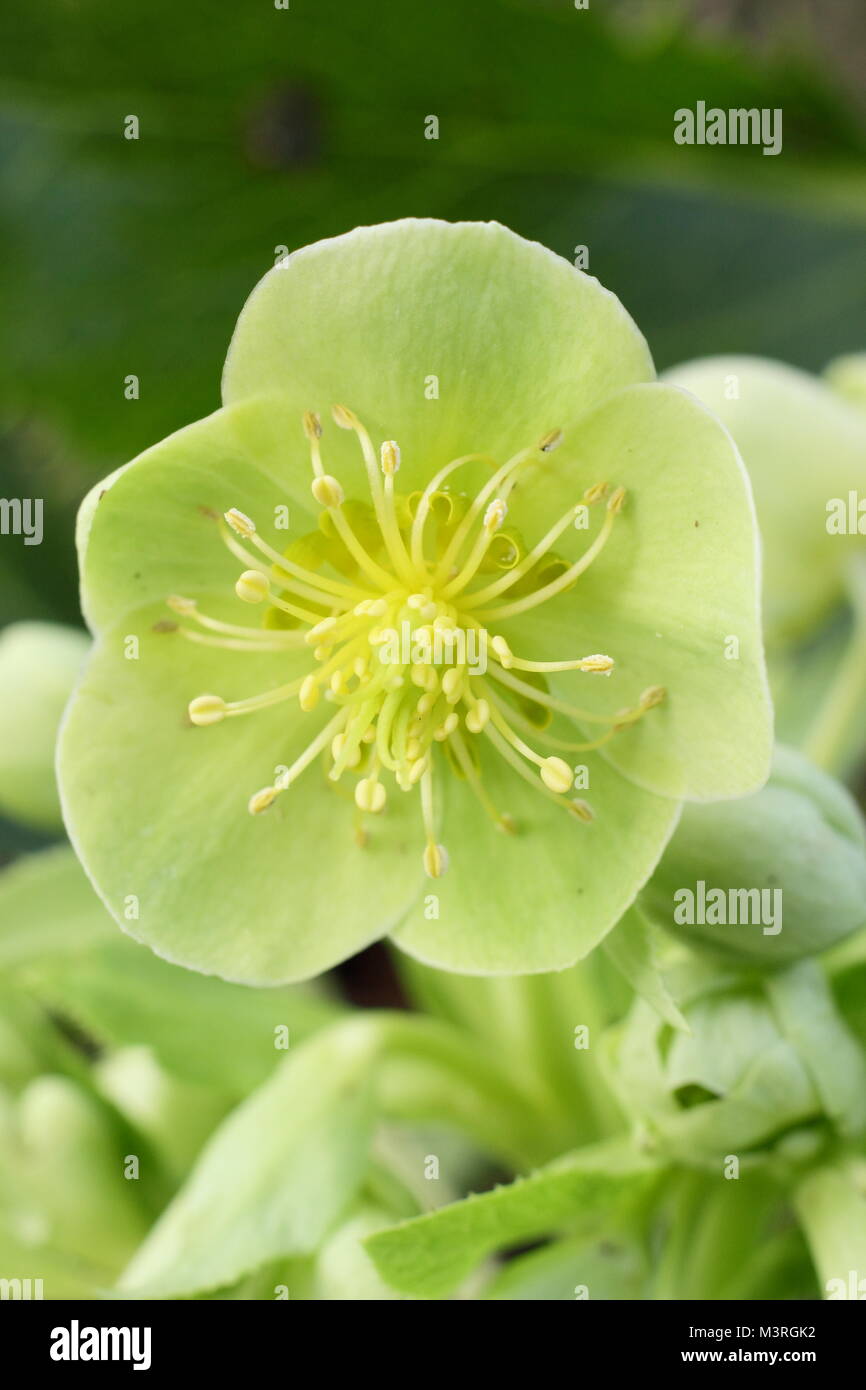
(370, 796)
(507, 824)
(345, 418)
(551, 441)
(320, 630)
(308, 695)
(435, 860)
(495, 515)
(417, 770)
(390, 457)
(652, 696)
(207, 709)
(260, 801)
(418, 675)
(240, 523)
(327, 491)
(597, 665)
(178, 604)
(381, 724)
(447, 727)
(452, 684)
(556, 775)
(478, 716)
(338, 743)
(253, 586)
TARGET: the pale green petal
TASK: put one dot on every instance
(803, 446)
(38, 666)
(157, 812)
(513, 335)
(544, 897)
(145, 533)
(672, 598)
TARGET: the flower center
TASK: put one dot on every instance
(403, 646)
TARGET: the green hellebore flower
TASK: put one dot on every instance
(38, 666)
(445, 476)
(769, 879)
(767, 1069)
(805, 450)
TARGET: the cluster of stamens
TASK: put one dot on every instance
(403, 644)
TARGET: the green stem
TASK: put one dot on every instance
(831, 1207)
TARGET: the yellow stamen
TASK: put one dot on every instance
(395, 702)
(565, 580)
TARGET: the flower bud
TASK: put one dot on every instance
(70, 1172)
(768, 1068)
(38, 666)
(767, 879)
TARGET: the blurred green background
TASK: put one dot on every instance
(263, 127)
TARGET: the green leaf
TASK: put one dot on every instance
(275, 1176)
(431, 1255)
(60, 944)
(565, 1270)
(804, 1005)
(631, 948)
(48, 910)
